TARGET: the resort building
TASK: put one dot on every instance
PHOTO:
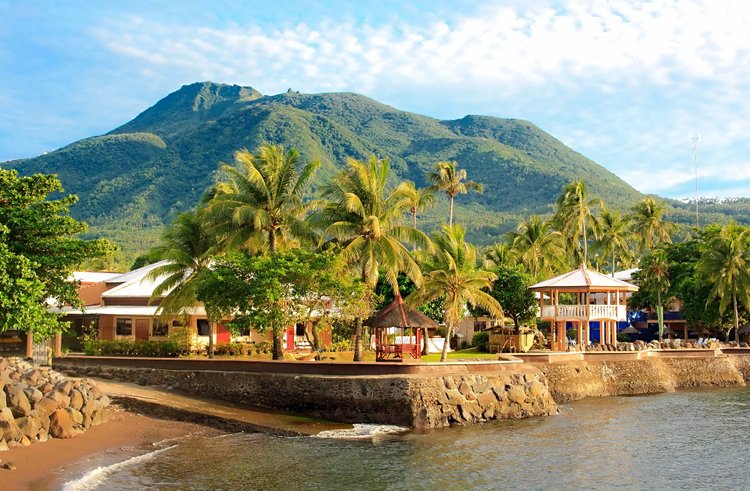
(581, 298)
(119, 306)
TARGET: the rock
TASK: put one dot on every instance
(64, 387)
(76, 399)
(10, 431)
(487, 399)
(9, 466)
(60, 424)
(32, 376)
(3, 445)
(6, 414)
(47, 405)
(75, 415)
(17, 401)
(535, 388)
(33, 394)
(517, 395)
(47, 388)
(3, 398)
(464, 389)
(29, 426)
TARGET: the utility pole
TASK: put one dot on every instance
(695, 140)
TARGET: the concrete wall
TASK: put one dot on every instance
(434, 398)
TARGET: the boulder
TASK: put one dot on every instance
(3, 398)
(47, 405)
(29, 426)
(60, 424)
(10, 431)
(75, 415)
(17, 400)
(76, 399)
(33, 394)
(64, 387)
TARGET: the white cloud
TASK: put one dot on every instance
(624, 82)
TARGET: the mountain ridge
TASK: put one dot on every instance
(134, 179)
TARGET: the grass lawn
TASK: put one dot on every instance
(467, 354)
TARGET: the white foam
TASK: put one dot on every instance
(362, 432)
(95, 477)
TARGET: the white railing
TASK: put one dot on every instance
(613, 312)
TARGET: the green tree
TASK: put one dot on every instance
(575, 214)
(649, 226)
(362, 214)
(511, 290)
(654, 276)
(613, 240)
(447, 177)
(457, 280)
(187, 247)
(499, 255)
(725, 263)
(538, 246)
(39, 248)
(258, 203)
(419, 200)
(273, 292)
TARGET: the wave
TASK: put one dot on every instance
(95, 477)
(362, 432)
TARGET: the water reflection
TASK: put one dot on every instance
(685, 440)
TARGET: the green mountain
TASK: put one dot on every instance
(134, 179)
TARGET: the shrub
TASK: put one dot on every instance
(231, 349)
(123, 347)
(342, 345)
(263, 347)
(623, 338)
(481, 341)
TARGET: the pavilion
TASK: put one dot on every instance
(580, 297)
(398, 334)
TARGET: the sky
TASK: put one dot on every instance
(644, 88)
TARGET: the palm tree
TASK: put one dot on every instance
(419, 200)
(258, 205)
(614, 231)
(449, 178)
(725, 262)
(365, 217)
(500, 255)
(538, 246)
(457, 280)
(649, 225)
(574, 213)
(655, 275)
(187, 246)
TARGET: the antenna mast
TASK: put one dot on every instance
(695, 139)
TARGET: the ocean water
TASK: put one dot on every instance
(685, 440)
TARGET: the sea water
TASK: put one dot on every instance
(685, 440)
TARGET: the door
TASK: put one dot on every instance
(141, 329)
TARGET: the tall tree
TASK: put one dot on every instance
(538, 246)
(447, 177)
(258, 203)
(511, 290)
(360, 212)
(419, 200)
(457, 280)
(575, 213)
(725, 263)
(500, 255)
(614, 235)
(187, 246)
(649, 225)
(654, 273)
(39, 248)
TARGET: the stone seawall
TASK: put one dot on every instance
(574, 380)
(417, 401)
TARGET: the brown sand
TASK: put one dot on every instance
(37, 465)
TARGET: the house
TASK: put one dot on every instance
(119, 306)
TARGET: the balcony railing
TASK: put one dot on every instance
(583, 312)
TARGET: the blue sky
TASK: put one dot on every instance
(626, 83)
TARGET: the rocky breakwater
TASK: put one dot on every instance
(37, 404)
(466, 399)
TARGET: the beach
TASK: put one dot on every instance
(47, 465)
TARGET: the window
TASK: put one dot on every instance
(204, 328)
(124, 327)
(159, 327)
(178, 323)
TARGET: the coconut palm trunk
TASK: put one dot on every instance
(446, 344)
(358, 340)
(450, 214)
(736, 312)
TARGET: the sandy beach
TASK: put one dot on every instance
(42, 466)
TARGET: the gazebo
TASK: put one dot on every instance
(398, 332)
(580, 297)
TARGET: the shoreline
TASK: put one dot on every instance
(48, 465)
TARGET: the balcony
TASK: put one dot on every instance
(584, 312)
